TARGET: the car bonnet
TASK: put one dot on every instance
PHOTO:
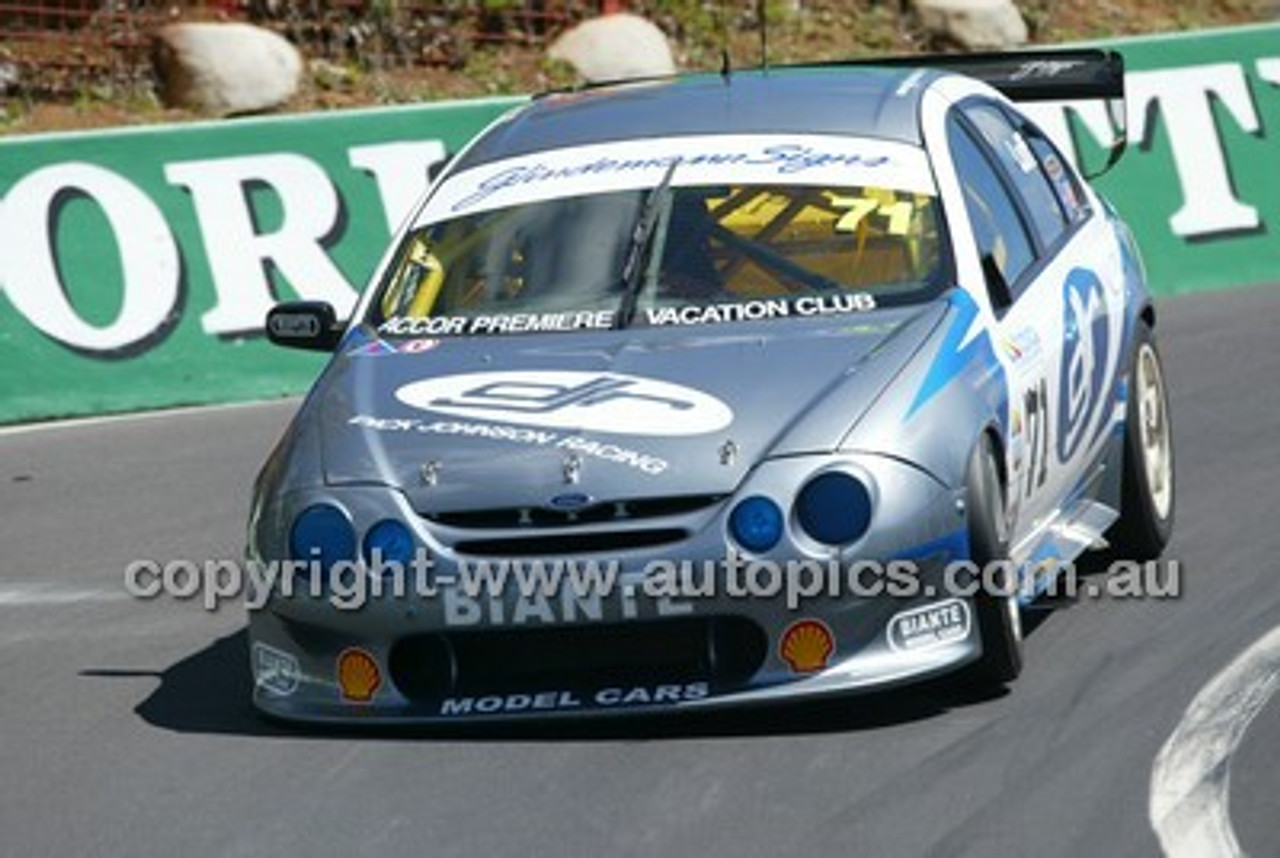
(523, 420)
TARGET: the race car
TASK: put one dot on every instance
(716, 390)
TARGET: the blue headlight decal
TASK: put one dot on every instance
(960, 346)
(322, 533)
(756, 524)
(389, 541)
(834, 508)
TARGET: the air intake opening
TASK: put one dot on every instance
(723, 651)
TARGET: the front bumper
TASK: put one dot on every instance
(442, 654)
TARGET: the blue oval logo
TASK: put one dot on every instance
(574, 500)
(1086, 355)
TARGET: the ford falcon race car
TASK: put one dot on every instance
(705, 391)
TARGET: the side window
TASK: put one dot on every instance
(1023, 167)
(1064, 180)
(998, 229)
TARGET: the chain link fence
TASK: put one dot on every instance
(61, 49)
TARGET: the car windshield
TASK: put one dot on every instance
(686, 253)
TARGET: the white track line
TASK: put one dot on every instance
(106, 419)
(1191, 779)
(45, 594)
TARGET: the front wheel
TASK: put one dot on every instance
(1147, 501)
(998, 615)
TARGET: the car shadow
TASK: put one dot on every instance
(210, 692)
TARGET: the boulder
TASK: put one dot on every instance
(976, 25)
(10, 78)
(224, 68)
(615, 47)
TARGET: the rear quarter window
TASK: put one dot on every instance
(1024, 168)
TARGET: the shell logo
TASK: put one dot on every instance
(807, 645)
(358, 675)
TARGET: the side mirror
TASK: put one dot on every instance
(304, 325)
(1119, 127)
(997, 287)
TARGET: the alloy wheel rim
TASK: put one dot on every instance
(1153, 429)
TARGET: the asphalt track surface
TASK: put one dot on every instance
(125, 727)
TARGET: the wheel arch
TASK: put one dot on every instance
(992, 431)
(1148, 314)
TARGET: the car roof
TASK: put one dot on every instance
(862, 101)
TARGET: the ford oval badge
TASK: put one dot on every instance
(570, 501)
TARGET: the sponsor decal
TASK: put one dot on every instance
(550, 701)
(413, 347)
(1022, 345)
(1017, 451)
(1065, 187)
(1015, 424)
(807, 646)
(490, 431)
(1085, 358)
(573, 444)
(382, 347)
(376, 347)
(358, 675)
(582, 401)
(275, 671)
(601, 320)
(929, 626)
(807, 305)
(566, 604)
(635, 163)
(1021, 153)
(1044, 68)
(503, 323)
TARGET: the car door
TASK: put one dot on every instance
(1056, 289)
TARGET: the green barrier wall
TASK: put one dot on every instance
(136, 266)
(1200, 182)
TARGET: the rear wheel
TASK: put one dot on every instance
(1147, 500)
(998, 615)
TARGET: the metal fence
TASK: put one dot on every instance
(62, 48)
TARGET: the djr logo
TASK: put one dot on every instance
(1084, 359)
(583, 401)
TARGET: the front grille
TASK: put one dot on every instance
(504, 518)
(723, 651)
(569, 544)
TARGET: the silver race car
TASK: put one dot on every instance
(716, 390)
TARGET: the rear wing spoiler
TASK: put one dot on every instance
(1059, 74)
(1067, 74)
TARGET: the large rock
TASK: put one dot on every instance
(615, 47)
(224, 68)
(977, 25)
(10, 78)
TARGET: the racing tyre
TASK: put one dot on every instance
(1147, 502)
(998, 615)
